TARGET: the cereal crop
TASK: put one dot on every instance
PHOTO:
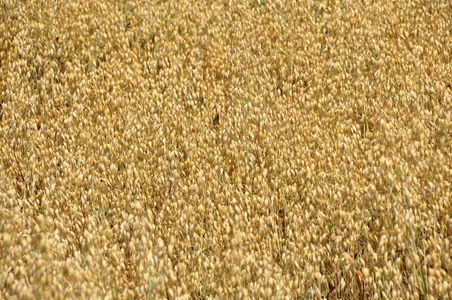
(225, 149)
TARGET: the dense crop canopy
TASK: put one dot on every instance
(230, 149)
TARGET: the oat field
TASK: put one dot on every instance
(225, 149)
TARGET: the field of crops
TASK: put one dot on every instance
(230, 149)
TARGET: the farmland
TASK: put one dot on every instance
(226, 150)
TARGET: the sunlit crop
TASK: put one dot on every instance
(225, 149)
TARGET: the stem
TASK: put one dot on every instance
(245, 114)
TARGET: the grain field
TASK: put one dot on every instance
(225, 149)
